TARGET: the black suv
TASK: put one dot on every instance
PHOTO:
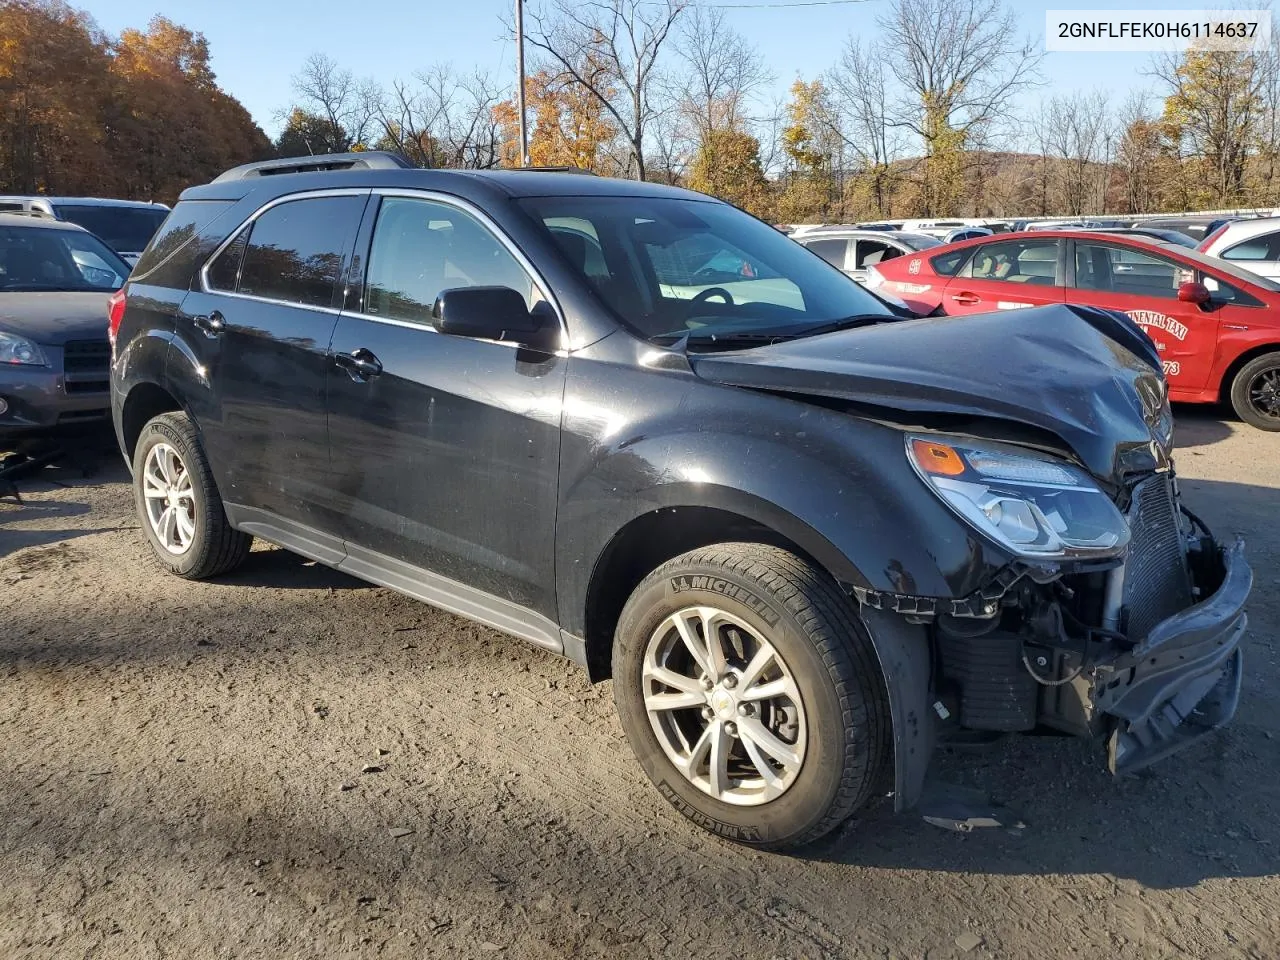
(632, 424)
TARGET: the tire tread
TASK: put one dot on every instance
(223, 548)
(830, 620)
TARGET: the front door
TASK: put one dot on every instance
(1144, 284)
(1007, 275)
(260, 325)
(445, 450)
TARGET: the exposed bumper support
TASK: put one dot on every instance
(1183, 681)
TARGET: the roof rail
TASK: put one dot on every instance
(584, 172)
(323, 162)
(37, 213)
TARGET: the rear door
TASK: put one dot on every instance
(1260, 254)
(1144, 284)
(259, 325)
(1007, 275)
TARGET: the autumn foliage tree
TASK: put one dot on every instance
(139, 116)
(569, 124)
(727, 165)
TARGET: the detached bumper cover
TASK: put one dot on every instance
(1183, 681)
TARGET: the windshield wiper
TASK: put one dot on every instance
(737, 338)
(846, 323)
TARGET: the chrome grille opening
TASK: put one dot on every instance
(1156, 581)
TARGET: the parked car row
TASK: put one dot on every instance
(1216, 325)
(126, 226)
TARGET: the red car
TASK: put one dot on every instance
(1217, 327)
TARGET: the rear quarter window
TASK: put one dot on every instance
(949, 264)
(170, 257)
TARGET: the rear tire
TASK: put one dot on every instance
(793, 765)
(1255, 392)
(178, 504)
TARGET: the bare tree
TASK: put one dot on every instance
(1076, 127)
(960, 63)
(724, 71)
(333, 94)
(439, 119)
(860, 112)
(610, 47)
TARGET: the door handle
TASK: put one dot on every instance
(965, 298)
(212, 324)
(360, 364)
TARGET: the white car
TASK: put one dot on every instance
(855, 251)
(1251, 244)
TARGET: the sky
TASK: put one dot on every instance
(257, 45)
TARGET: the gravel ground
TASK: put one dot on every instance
(288, 763)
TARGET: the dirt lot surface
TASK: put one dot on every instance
(181, 776)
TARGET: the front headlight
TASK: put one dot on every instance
(16, 349)
(1034, 506)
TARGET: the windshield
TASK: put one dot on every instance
(43, 258)
(670, 267)
(127, 229)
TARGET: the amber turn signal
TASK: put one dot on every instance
(937, 458)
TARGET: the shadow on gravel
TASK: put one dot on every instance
(276, 567)
(1213, 811)
(1198, 425)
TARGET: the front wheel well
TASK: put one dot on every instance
(1238, 364)
(641, 547)
(145, 401)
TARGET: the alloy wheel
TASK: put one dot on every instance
(1264, 392)
(724, 706)
(166, 490)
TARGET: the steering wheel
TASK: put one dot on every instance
(710, 292)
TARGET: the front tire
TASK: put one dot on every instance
(1255, 392)
(178, 504)
(777, 730)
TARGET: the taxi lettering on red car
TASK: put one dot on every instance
(1216, 326)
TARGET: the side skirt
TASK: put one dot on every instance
(397, 575)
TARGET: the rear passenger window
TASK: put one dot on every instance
(296, 250)
(421, 247)
(1032, 262)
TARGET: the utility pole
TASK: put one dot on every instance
(524, 133)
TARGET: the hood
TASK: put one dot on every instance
(54, 318)
(1089, 376)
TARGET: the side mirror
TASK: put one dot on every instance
(492, 313)
(1192, 292)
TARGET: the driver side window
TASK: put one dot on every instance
(421, 247)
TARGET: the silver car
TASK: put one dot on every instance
(126, 226)
(853, 251)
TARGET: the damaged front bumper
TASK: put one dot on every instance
(1183, 680)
